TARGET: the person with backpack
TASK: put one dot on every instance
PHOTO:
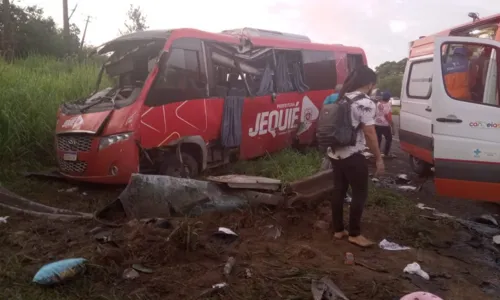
(383, 123)
(326, 163)
(343, 129)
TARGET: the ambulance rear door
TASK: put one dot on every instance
(466, 129)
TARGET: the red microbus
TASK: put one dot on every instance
(186, 100)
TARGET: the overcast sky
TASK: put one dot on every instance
(382, 27)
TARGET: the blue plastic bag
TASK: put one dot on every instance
(59, 271)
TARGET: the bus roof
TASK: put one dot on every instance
(133, 39)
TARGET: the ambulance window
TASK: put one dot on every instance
(180, 78)
(470, 73)
(319, 69)
(419, 83)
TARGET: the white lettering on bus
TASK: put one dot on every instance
(269, 121)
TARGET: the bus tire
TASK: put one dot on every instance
(419, 166)
(171, 166)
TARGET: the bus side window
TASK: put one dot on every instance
(354, 61)
(320, 71)
(181, 78)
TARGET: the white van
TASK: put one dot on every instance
(450, 115)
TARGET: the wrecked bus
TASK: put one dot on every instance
(187, 100)
(450, 113)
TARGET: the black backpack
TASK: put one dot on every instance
(334, 127)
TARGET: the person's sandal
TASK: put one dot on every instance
(361, 241)
(341, 235)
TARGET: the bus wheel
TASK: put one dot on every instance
(419, 166)
(172, 166)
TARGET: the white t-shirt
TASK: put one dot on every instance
(383, 109)
(362, 111)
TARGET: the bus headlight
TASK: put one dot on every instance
(107, 141)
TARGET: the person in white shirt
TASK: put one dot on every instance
(383, 123)
(349, 164)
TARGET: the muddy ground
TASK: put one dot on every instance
(188, 260)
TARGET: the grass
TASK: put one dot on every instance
(287, 165)
(31, 92)
(396, 110)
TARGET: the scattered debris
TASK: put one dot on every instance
(320, 224)
(367, 154)
(14, 202)
(60, 271)
(349, 258)
(213, 289)
(423, 207)
(414, 268)
(325, 289)
(71, 190)
(226, 234)
(228, 267)
(496, 239)
(273, 231)
(348, 199)
(420, 295)
(142, 269)
(103, 236)
(84, 194)
(4, 220)
(219, 285)
(247, 182)
(386, 245)
(407, 188)
(225, 230)
(487, 219)
(375, 180)
(248, 273)
(130, 274)
(402, 179)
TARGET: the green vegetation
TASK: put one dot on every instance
(390, 76)
(396, 110)
(32, 90)
(287, 165)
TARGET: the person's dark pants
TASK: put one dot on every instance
(384, 131)
(351, 171)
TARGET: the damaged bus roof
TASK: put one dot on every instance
(128, 41)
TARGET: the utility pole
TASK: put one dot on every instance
(7, 41)
(72, 12)
(84, 32)
(66, 27)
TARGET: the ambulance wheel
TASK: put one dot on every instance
(172, 166)
(419, 166)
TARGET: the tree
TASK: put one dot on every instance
(390, 76)
(136, 20)
(7, 31)
(32, 32)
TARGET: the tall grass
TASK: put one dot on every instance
(30, 93)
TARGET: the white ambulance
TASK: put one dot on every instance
(450, 109)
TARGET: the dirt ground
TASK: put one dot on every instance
(187, 258)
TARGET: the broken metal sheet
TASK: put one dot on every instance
(248, 182)
(52, 174)
(159, 196)
(325, 289)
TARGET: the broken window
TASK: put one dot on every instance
(288, 76)
(320, 71)
(240, 74)
(354, 61)
(181, 76)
